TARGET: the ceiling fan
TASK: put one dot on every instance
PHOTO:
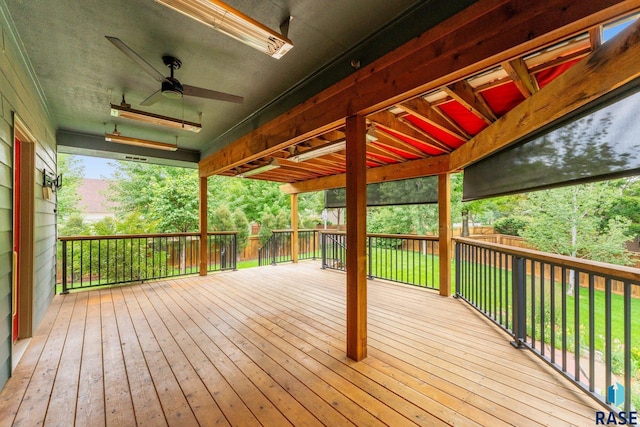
(171, 87)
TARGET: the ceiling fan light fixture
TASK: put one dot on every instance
(233, 23)
(121, 139)
(156, 119)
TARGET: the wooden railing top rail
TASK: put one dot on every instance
(612, 270)
(388, 236)
(286, 230)
(141, 236)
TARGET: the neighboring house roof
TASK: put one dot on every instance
(93, 200)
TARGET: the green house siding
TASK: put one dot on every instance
(18, 95)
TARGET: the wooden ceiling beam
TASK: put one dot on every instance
(421, 108)
(595, 37)
(559, 61)
(429, 140)
(410, 169)
(315, 165)
(383, 151)
(606, 69)
(463, 93)
(518, 72)
(481, 36)
(398, 144)
(387, 120)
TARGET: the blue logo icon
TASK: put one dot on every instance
(615, 394)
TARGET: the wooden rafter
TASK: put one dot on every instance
(481, 36)
(375, 148)
(423, 110)
(595, 37)
(388, 120)
(608, 68)
(518, 72)
(559, 61)
(319, 166)
(410, 169)
(463, 93)
(428, 139)
(390, 141)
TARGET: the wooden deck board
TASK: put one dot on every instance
(266, 346)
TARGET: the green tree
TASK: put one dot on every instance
(390, 220)
(221, 220)
(166, 196)
(267, 225)
(627, 204)
(572, 221)
(511, 225)
(74, 225)
(254, 197)
(69, 204)
(242, 227)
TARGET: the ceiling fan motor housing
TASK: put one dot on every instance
(172, 88)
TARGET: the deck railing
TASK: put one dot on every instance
(278, 248)
(88, 261)
(579, 316)
(403, 258)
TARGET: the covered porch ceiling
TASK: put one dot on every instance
(472, 85)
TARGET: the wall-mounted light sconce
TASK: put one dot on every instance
(51, 181)
(50, 184)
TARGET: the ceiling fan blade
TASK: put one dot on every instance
(153, 98)
(211, 94)
(136, 58)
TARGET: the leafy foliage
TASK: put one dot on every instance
(67, 196)
(267, 225)
(511, 225)
(242, 227)
(572, 221)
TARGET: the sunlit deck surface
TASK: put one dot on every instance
(265, 346)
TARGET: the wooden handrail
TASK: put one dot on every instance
(286, 230)
(388, 236)
(141, 236)
(617, 271)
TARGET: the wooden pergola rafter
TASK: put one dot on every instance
(492, 34)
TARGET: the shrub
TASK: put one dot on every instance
(511, 225)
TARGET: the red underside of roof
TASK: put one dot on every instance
(437, 133)
(503, 98)
(545, 77)
(468, 121)
(417, 144)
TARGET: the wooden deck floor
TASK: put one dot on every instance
(265, 346)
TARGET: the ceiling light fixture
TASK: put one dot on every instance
(233, 23)
(120, 139)
(339, 145)
(312, 154)
(274, 164)
(125, 111)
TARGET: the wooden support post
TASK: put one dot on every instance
(203, 227)
(444, 240)
(356, 238)
(294, 226)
